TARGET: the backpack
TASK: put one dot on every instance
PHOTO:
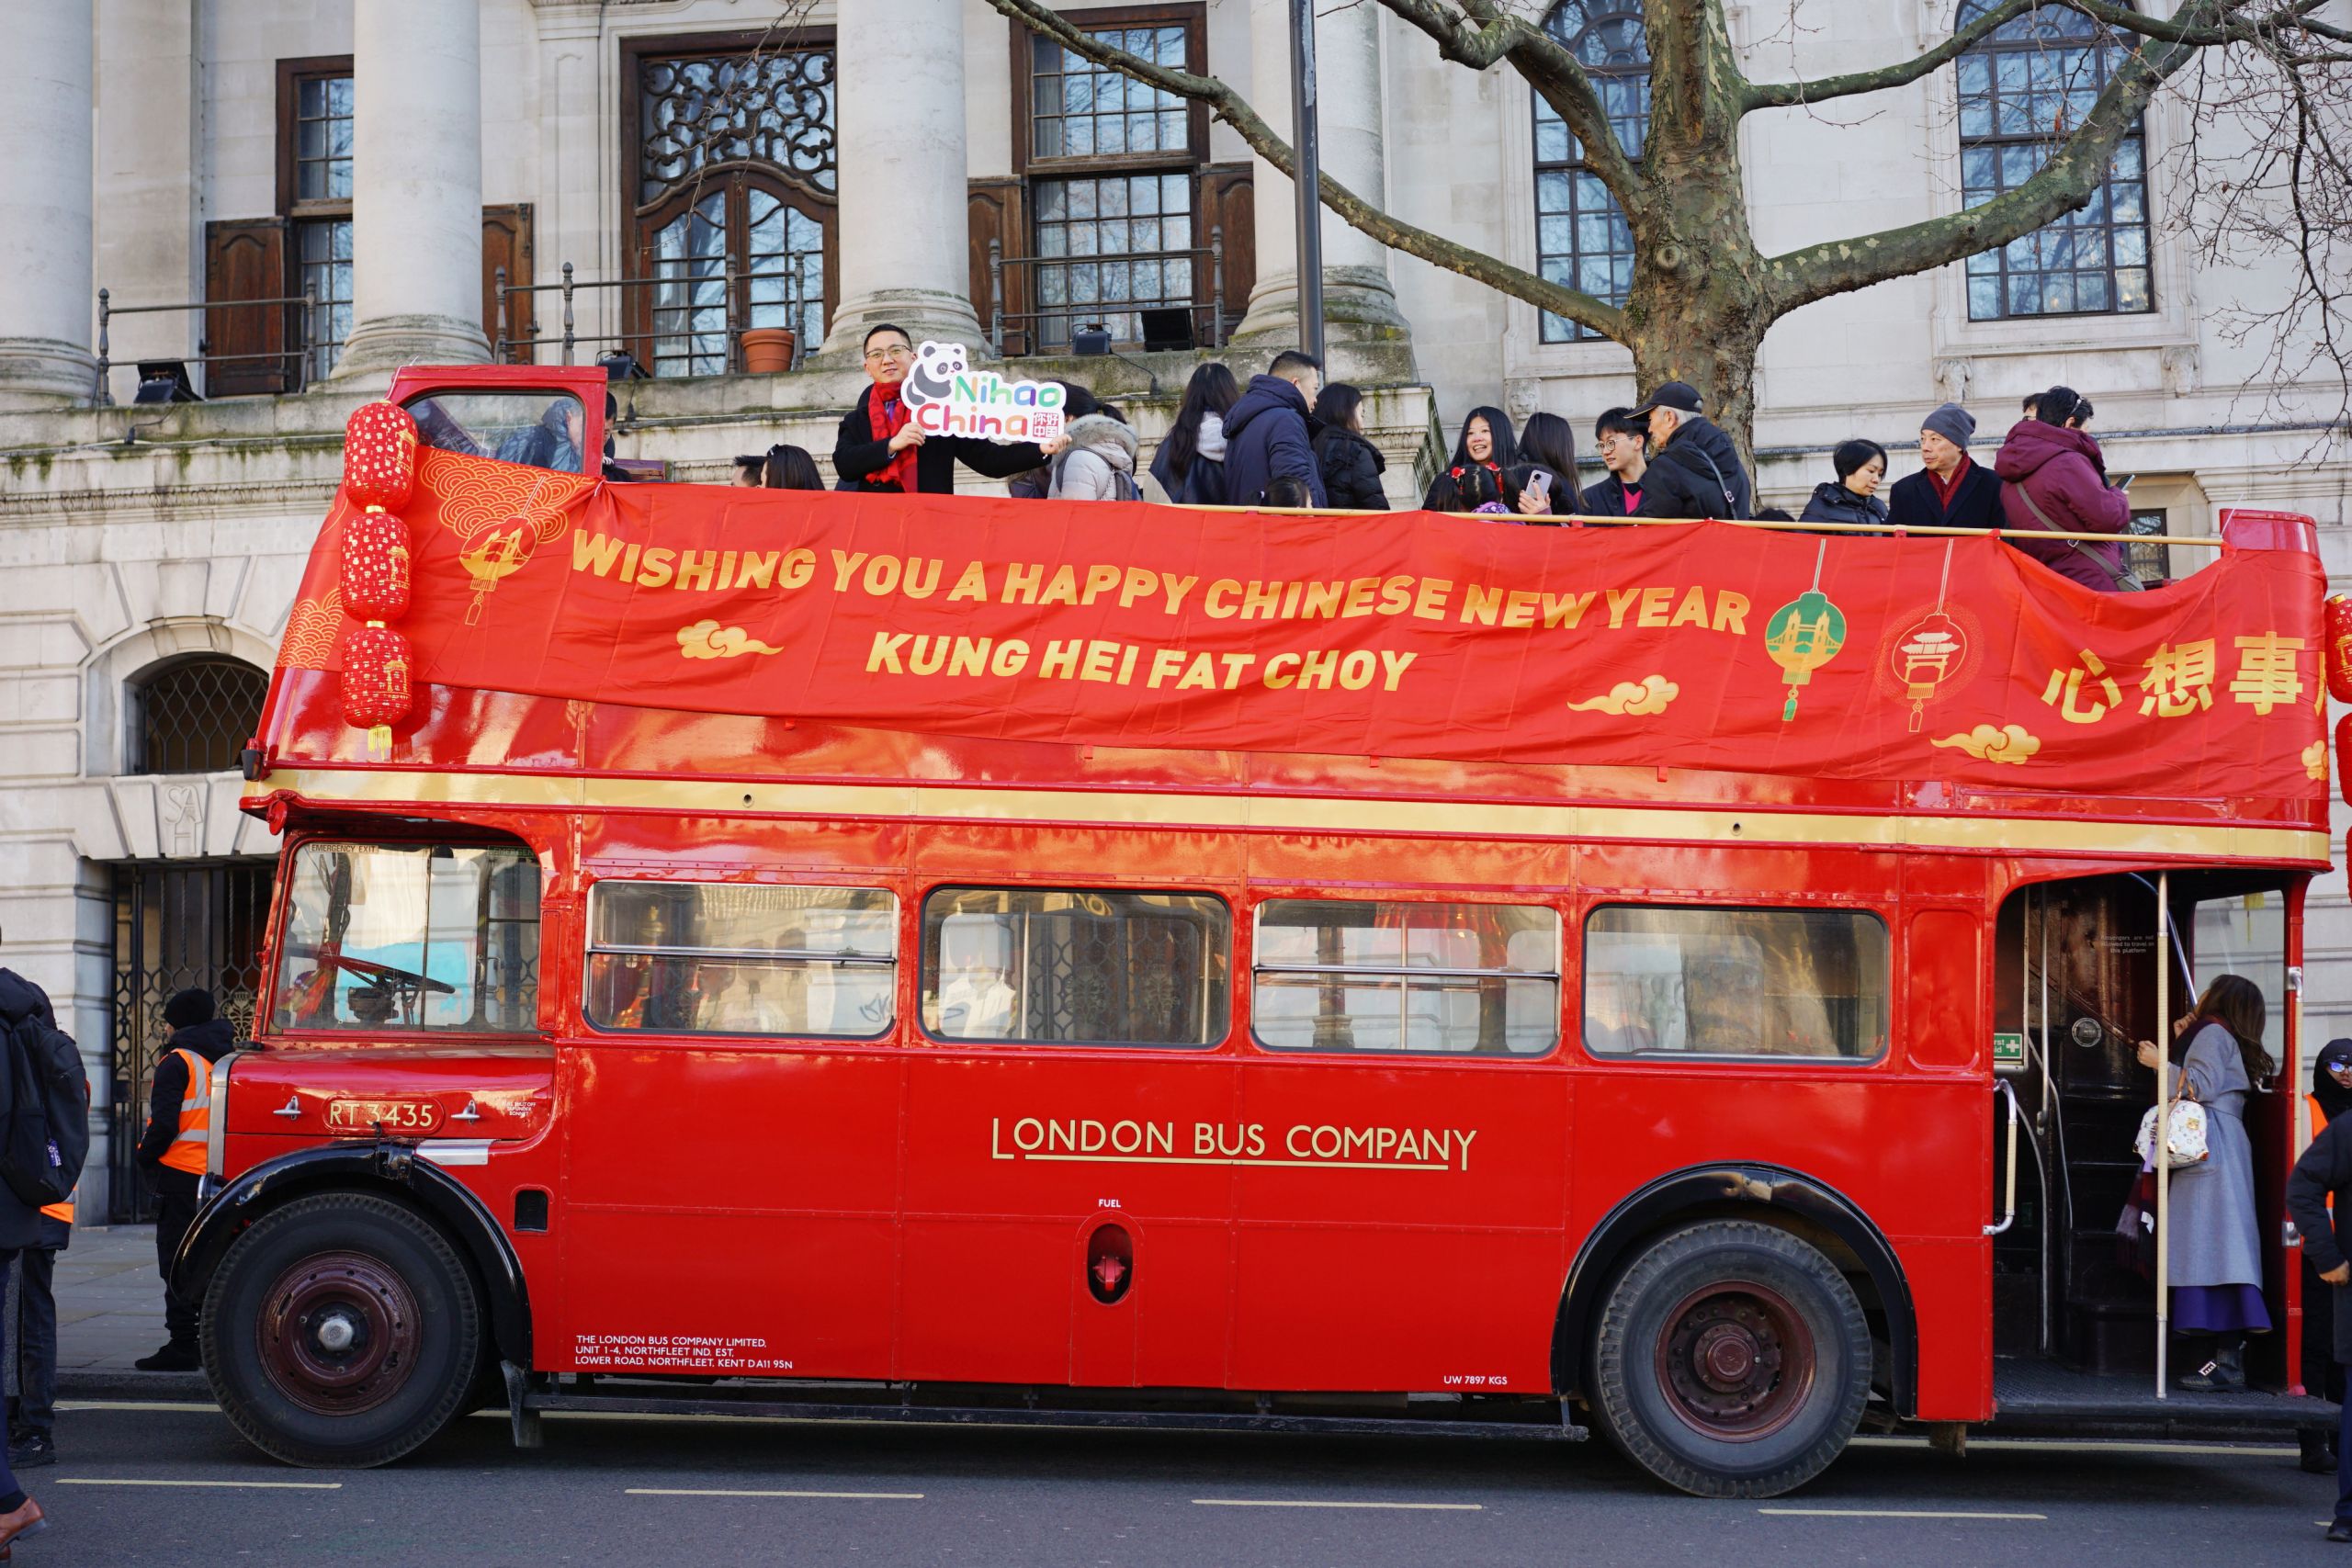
(45, 1127)
(1123, 483)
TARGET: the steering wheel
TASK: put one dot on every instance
(383, 974)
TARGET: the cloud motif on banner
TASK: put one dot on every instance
(709, 639)
(2007, 743)
(1631, 701)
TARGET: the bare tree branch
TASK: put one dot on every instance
(1230, 107)
(1786, 95)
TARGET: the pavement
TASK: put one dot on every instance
(110, 1313)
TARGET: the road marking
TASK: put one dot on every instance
(1900, 1513)
(1313, 1503)
(182, 1404)
(724, 1492)
(240, 1485)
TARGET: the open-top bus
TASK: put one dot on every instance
(961, 959)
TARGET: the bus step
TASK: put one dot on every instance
(1555, 1427)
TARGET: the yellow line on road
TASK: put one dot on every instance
(724, 1492)
(1312, 1502)
(1900, 1513)
(240, 1485)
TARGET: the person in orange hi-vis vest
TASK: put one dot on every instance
(2331, 1097)
(32, 1409)
(179, 1120)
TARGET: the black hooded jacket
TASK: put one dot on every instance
(55, 1060)
(211, 1040)
(1696, 474)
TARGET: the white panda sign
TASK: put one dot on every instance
(949, 398)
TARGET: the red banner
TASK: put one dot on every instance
(1706, 646)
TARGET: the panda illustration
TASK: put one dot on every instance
(935, 368)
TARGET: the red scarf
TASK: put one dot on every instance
(1948, 488)
(887, 412)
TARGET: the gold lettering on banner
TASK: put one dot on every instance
(1303, 1146)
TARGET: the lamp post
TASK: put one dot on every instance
(1307, 177)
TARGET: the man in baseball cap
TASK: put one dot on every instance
(1694, 470)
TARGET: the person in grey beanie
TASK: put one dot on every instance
(1952, 490)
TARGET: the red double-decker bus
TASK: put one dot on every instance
(961, 959)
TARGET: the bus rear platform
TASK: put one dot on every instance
(2032, 1394)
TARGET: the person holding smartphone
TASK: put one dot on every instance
(1546, 467)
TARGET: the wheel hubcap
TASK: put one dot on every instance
(338, 1333)
(1735, 1361)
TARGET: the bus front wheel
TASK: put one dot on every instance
(1732, 1359)
(341, 1330)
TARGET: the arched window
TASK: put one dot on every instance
(734, 201)
(192, 716)
(2022, 92)
(1581, 237)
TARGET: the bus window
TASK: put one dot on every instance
(741, 958)
(1689, 982)
(411, 936)
(1076, 967)
(541, 429)
(1451, 978)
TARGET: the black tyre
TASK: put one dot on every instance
(341, 1330)
(1730, 1361)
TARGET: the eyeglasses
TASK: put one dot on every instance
(895, 351)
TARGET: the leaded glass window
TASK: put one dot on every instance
(2022, 92)
(1581, 238)
(320, 159)
(735, 177)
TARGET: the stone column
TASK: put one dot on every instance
(899, 126)
(415, 186)
(151, 225)
(47, 298)
(1359, 302)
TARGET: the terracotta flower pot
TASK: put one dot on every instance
(767, 350)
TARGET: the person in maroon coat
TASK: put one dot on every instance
(2054, 481)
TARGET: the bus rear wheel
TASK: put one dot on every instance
(1732, 1359)
(341, 1330)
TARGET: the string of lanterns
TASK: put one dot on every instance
(378, 472)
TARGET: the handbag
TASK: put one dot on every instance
(2124, 577)
(2184, 1135)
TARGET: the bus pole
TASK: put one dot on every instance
(1307, 179)
(2164, 1128)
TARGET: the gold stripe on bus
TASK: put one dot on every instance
(1300, 814)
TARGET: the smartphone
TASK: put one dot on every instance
(2125, 483)
(1541, 484)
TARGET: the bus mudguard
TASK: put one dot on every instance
(1741, 1190)
(385, 1167)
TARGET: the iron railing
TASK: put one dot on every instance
(296, 353)
(1090, 312)
(795, 307)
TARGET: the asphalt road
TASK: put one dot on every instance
(143, 1483)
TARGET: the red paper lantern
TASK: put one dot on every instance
(2337, 640)
(2344, 757)
(378, 455)
(374, 567)
(376, 684)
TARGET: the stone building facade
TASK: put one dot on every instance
(693, 169)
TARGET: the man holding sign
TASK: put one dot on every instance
(882, 448)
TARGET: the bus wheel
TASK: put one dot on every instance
(342, 1329)
(1731, 1361)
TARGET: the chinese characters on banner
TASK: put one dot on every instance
(1704, 646)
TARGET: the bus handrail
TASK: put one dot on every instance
(1938, 531)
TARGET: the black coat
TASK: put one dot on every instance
(1833, 502)
(24, 1011)
(1351, 469)
(856, 455)
(1913, 503)
(1269, 435)
(1607, 499)
(2325, 1171)
(211, 1040)
(1696, 474)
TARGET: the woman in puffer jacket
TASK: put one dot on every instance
(1190, 464)
(2054, 480)
(1101, 462)
(1853, 496)
(1351, 465)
